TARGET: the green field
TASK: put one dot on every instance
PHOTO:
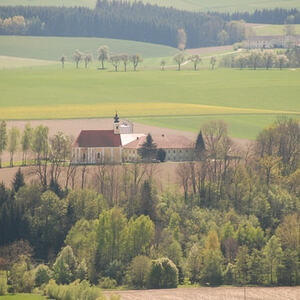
(248, 100)
(202, 5)
(22, 297)
(52, 48)
(268, 29)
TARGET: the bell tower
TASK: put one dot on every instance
(116, 124)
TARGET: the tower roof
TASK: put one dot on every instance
(98, 138)
(116, 118)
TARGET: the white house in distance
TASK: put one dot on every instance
(121, 145)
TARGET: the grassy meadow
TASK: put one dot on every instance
(201, 5)
(269, 29)
(52, 48)
(22, 297)
(248, 100)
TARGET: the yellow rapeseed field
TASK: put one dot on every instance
(127, 110)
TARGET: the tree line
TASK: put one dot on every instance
(267, 59)
(234, 218)
(121, 20)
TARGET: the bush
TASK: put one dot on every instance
(3, 285)
(42, 275)
(73, 291)
(163, 274)
(107, 283)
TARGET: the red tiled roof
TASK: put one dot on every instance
(163, 141)
(98, 138)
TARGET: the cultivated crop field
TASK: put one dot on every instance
(202, 5)
(219, 293)
(248, 100)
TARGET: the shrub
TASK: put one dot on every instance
(163, 274)
(3, 285)
(42, 275)
(107, 283)
(73, 291)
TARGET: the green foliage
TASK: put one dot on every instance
(3, 285)
(65, 266)
(74, 291)
(42, 275)
(138, 271)
(148, 150)
(18, 181)
(161, 155)
(163, 274)
(22, 279)
(107, 283)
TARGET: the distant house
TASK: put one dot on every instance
(269, 42)
(121, 145)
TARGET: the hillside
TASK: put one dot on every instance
(192, 5)
(52, 48)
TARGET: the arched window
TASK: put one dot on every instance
(98, 155)
(83, 156)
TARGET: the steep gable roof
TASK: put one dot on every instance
(98, 138)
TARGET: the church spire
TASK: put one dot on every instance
(116, 124)
(116, 118)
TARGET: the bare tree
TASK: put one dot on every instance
(213, 61)
(3, 139)
(179, 59)
(181, 36)
(62, 60)
(196, 59)
(125, 59)
(26, 141)
(162, 64)
(115, 61)
(77, 57)
(103, 55)
(13, 142)
(136, 59)
(87, 59)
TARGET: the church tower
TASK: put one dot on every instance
(116, 124)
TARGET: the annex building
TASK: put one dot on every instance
(121, 145)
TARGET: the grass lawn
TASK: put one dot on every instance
(269, 29)
(22, 297)
(202, 5)
(52, 48)
(239, 126)
(248, 100)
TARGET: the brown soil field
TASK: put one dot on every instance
(72, 127)
(217, 293)
(208, 49)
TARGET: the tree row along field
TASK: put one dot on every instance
(201, 5)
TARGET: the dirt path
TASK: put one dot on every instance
(218, 293)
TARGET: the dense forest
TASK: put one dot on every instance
(264, 16)
(233, 217)
(136, 21)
